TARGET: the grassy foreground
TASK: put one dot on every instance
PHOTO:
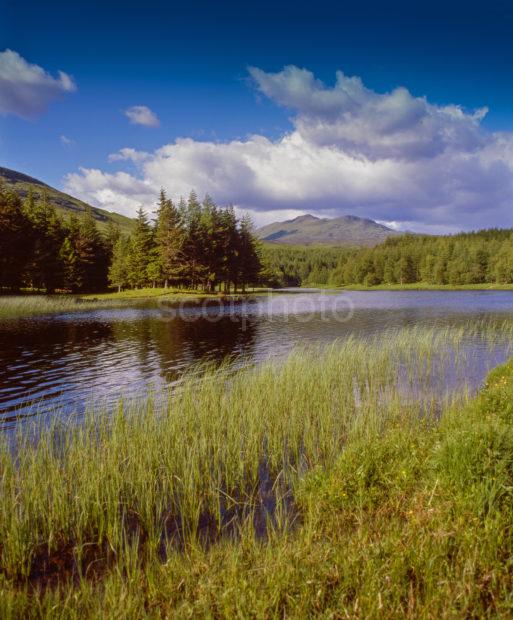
(309, 488)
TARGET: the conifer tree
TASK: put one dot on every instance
(140, 251)
(70, 268)
(90, 250)
(14, 229)
(119, 270)
(45, 268)
(169, 238)
(249, 258)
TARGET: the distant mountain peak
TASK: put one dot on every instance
(305, 218)
(345, 230)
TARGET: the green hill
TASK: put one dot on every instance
(64, 203)
(347, 230)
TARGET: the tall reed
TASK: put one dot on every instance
(219, 458)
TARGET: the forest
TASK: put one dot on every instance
(198, 245)
(193, 244)
(462, 259)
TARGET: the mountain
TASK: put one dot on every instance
(347, 230)
(64, 203)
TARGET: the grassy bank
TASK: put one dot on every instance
(313, 487)
(13, 306)
(16, 306)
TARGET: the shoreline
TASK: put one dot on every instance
(417, 287)
(32, 304)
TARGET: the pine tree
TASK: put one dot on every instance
(120, 264)
(14, 231)
(249, 258)
(192, 256)
(45, 268)
(90, 250)
(70, 267)
(140, 251)
(169, 239)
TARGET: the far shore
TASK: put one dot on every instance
(418, 286)
(32, 303)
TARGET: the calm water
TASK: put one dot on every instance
(61, 361)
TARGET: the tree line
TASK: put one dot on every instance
(466, 258)
(193, 244)
(483, 257)
(199, 245)
(286, 265)
(39, 250)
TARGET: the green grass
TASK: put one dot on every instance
(178, 294)
(382, 506)
(16, 306)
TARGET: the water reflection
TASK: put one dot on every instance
(68, 359)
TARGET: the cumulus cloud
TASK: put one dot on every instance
(128, 154)
(390, 156)
(118, 192)
(142, 115)
(27, 89)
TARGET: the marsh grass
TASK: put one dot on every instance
(16, 306)
(312, 486)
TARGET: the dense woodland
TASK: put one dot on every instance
(467, 258)
(286, 265)
(38, 250)
(198, 245)
(193, 245)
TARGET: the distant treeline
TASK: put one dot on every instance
(299, 265)
(466, 258)
(192, 244)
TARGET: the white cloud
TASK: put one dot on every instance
(26, 89)
(392, 157)
(118, 192)
(128, 154)
(65, 141)
(142, 115)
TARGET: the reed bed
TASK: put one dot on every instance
(258, 492)
(18, 306)
(15, 306)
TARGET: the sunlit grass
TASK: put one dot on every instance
(12, 306)
(30, 305)
(313, 486)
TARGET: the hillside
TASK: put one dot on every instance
(64, 203)
(347, 230)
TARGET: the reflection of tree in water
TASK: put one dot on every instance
(180, 343)
(36, 353)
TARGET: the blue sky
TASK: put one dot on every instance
(188, 63)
